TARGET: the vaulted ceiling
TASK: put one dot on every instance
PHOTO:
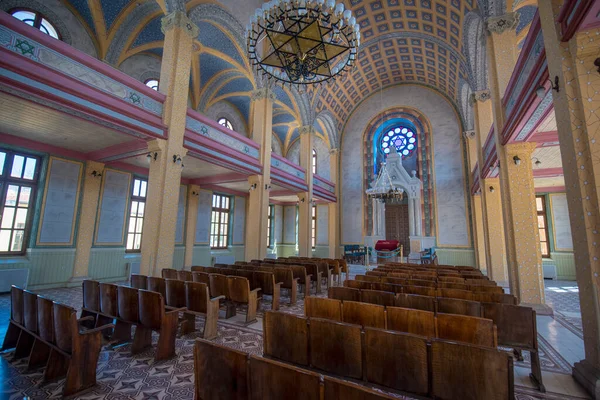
(437, 43)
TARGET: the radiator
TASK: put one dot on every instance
(9, 277)
(549, 271)
(223, 260)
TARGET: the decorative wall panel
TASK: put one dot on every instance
(203, 218)
(181, 214)
(113, 207)
(239, 219)
(563, 241)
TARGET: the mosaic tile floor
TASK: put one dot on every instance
(122, 376)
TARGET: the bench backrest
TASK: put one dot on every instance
(185, 275)
(455, 293)
(470, 372)
(417, 322)
(270, 379)
(449, 305)
(337, 389)
(343, 293)
(220, 372)
(218, 285)
(196, 296)
(108, 299)
(462, 328)
(425, 303)
(318, 307)
(420, 290)
(175, 290)
(91, 295)
(30, 311)
(367, 278)
(265, 281)
(158, 285)
(45, 319)
(238, 289)
(202, 277)
(62, 326)
(16, 304)
(169, 273)
(336, 347)
(128, 304)
(358, 284)
(378, 297)
(516, 325)
(139, 281)
(152, 309)
(397, 360)
(285, 337)
(363, 314)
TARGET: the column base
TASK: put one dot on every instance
(76, 281)
(540, 309)
(588, 376)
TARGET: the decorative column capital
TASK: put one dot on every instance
(480, 95)
(91, 166)
(306, 129)
(523, 149)
(263, 93)
(502, 23)
(334, 152)
(469, 135)
(178, 19)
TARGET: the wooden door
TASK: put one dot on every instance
(396, 224)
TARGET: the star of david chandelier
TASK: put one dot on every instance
(302, 42)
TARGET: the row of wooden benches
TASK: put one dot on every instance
(337, 266)
(444, 267)
(433, 292)
(222, 373)
(516, 325)
(400, 361)
(434, 277)
(50, 334)
(432, 273)
(461, 328)
(435, 283)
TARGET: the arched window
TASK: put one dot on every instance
(37, 20)
(314, 161)
(402, 138)
(152, 84)
(226, 123)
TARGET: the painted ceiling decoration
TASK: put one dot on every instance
(436, 43)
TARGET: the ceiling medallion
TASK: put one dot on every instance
(302, 42)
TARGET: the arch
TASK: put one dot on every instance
(464, 93)
(327, 119)
(141, 67)
(475, 50)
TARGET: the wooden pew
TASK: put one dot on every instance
(415, 301)
(273, 380)
(417, 322)
(158, 284)
(397, 360)
(470, 372)
(367, 278)
(420, 290)
(517, 328)
(201, 277)
(335, 347)
(378, 297)
(220, 372)
(269, 286)
(176, 298)
(40, 353)
(357, 284)
(138, 281)
(455, 294)
(286, 337)
(169, 273)
(318, 307)
(198, 302)
(109, 311)
(16, 318)
(238, 289)
(184, 275)
(302, 277)
(448, 305)
(288, 281)
(461, 328)
(343, 293)
(337, 389)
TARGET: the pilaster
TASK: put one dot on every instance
(334, 216)
(305, 206)
(87, 218)
(479, 234)
(494, 238)
(471, 144)
(576, 108)
(193, 194)
(158, 238)
(256, 242)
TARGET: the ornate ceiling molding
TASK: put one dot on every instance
(503, 23)
(178, 19)
(480, 95)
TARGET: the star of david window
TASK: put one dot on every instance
(404, 139)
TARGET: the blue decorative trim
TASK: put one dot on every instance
(221, 156)
(215, 134)
(285, 167)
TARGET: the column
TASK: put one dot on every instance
(87, 220)
(525, 239)
(305, 198)
(193, 194)
(334, 210)
(472, 157)
(478, 233)
(502, 57)
(258, 202)
(494, 238)
(158, 238)
(576, 108)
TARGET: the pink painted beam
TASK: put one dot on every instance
(215, 125)
(221, 189)
(129, 168)
(551, 189)
(223, 178)
(547, 172)
(571, 16)
(119, 151)
(544, 137)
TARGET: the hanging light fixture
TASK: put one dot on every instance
(302, 42)
(384, 189)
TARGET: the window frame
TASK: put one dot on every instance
(139, 199)
(227, 123)
(314, 161)
(314, 226)
(152, 79)
(270, 225)
(221, 211)
(543, 213)
(37, 22)
(5, 181)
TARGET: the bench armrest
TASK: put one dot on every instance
(98, 329)
(218, 298)
(256, 290)
(308, 276)
(175, 310)
(279, 283)
(88, 318)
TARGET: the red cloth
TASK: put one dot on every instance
(386, 245)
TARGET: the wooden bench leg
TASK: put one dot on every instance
(141, 340)
(276, 297)
(81, 374)
(56, 367)
(40, 352)
(210, 324)
(536, 371)
(24, 346)
(188, 324)
(318, 284)
(165, 348)
(252, 307)
(12, 337)
(293, 294)
(230, 310)
(307, 288)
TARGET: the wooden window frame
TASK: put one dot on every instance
(37, 22)
(153, 79)
(542, 213)
(221, 211)
(5, 181)
(270, 225)
(314, 161)
(314, 227)
(227, 123)
(139, 199)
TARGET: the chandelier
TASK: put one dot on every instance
(302, 42)
(383, 189)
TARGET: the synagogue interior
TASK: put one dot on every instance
(299, 199)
